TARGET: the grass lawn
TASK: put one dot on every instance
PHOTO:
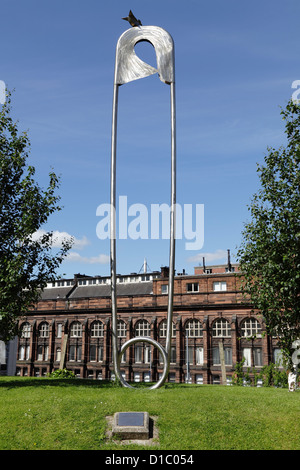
(57, 414)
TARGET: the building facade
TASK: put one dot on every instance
(213, 328)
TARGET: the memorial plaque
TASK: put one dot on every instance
(131, 425)
(131, 419)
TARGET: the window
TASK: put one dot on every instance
(100, 353)
(42, 353)
(121, 329)
(199, 355)
(221, 328)
(164, 288)
(172, 377)
(192, 287)
(142, 353)
(93, 351)
(25, 330)
(72, 353)
(44, 330)
(229, 270)
(278, 357)
(199, 379)
(173, 355)
(146, 376)
(257, 357)
(78, 351)
(227, 356)
(136, 377)
(59, 330)
(58, 355)
(194, 329)
(75, 353)
(163, 329)
(138, 353)
(247, 357)
(97, 329)
(21, 353)
(220, 286)
(250, 327)
(216, 380)
(76, 330)
(216, 356)
(142, 328)
(189, 355)
(147, 354)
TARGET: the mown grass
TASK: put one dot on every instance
(53, 414)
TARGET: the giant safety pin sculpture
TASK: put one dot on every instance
(129, 67)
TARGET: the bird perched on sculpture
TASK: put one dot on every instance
(132, 20)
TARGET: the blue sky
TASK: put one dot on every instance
(235, 64)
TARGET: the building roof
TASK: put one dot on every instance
(76, 292)
(55, 293)
(136, 288)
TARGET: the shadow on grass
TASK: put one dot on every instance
(47, 382)
(18, 382)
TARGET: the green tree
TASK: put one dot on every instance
(26, 263)
(269, 254)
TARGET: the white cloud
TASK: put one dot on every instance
(58, 237)
(209, 257)
(73, 256)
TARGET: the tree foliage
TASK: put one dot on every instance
(26, 263)
(269, 255)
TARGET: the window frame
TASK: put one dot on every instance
(254, 330)
(144, 330)
(192, 331)
(76, 327)
(219, 326)
(219, 286)
(44, 330)
(97, 329)
(192, 287)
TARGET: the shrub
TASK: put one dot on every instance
(61, 374)
(271, 376)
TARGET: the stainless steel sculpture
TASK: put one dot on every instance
(129, 67)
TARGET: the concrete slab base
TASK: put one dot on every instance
(151, 440)
(131, 425)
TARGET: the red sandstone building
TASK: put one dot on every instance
(71, 327)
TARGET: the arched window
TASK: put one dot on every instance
(76, 330)
(142, 328)
(194, 328)
(25, 330)
(97, 329)
(44, 330)
(163, 329)
(121, 329)
(250, 327)
(221, 328)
